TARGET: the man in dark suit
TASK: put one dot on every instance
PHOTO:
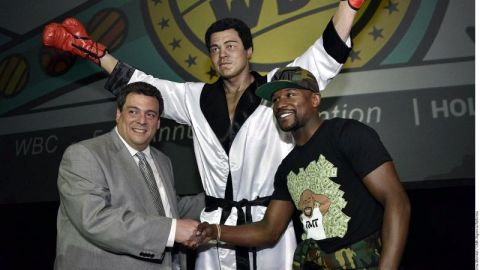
(110, 215)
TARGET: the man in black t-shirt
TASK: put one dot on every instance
(355, 212)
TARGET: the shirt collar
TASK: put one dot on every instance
(130, 149)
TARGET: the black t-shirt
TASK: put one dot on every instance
(323, 178)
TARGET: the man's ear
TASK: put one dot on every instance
(316, 100)
(119, 113)
(249, 53)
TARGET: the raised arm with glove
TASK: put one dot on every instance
(72, 37)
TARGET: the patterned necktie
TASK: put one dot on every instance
(150, 180)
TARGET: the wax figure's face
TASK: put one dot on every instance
(228, 55)
(293, 107)
(139, 120)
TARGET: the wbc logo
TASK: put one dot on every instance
(281, 30)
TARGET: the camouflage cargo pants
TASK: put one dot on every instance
(364, 254)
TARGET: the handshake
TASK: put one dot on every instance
(191, 233)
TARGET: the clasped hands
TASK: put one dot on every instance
(192, 234)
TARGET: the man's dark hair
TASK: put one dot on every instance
(139, 88)
(230, 23)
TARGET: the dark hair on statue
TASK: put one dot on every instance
(230, 23)
(139, 88)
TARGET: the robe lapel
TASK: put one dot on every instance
(213, 104)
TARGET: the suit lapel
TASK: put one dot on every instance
(131, 173)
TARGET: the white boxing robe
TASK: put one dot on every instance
(255, 153)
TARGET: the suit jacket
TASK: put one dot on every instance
(107, 218)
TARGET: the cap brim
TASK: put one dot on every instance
(266, 91)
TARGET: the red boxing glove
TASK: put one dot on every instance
(75, 27)
(355, 4)
(72, 37)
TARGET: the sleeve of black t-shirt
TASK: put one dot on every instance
(362, 146)
(281, 189)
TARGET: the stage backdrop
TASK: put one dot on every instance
(410, 76)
